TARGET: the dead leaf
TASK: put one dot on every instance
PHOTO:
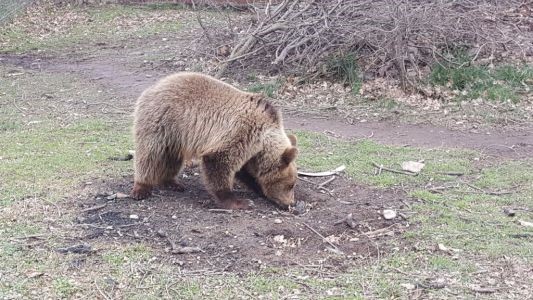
(443, 248)
(525, 223)
(280, 239)
(412, 166)
(408, 286)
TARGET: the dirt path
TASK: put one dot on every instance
(510, 144)
(112, 73)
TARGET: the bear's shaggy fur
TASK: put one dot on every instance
(234, 133)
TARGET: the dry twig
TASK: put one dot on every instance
(381, 167)
(93, 208)
(390, 37)
(323, 238)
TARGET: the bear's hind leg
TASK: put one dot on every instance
(156, 167)
(218, 170)
(141, 191)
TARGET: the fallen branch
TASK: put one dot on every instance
(320, 186)
(174, 249)
(220, 210)
(492, 193)
(93, 208)
(380, 232)
(323, 238)
(381, 167)
(483, 290)
(104, 295)
(27, 237)
(451, 173)
(323, 174)
(126, 157)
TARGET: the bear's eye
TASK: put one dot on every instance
(291, 186)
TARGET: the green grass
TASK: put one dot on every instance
(269, 89)
(461, 218)
(63, 287)
(46, 147)
(465, 219)
(345, 68)
(320, 153)
(503, 83)
(108, 24)
(39, 161)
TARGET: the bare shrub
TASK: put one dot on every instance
(388, 37)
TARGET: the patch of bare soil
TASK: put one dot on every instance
(509, 144)
(172, 222)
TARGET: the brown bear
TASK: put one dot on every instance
(234, 134)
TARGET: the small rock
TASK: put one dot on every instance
(278, 221)
(509, 212)
(389, 214)
(134, 217)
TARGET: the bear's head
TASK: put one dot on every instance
(278, 181)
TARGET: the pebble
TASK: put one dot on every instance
(389, 214)
(278, 221)
(135, 217)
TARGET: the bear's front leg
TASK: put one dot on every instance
(219, 172)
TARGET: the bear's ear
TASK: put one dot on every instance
(289, 155)
(292, 138)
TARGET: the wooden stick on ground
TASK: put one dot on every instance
(323, 238)
(381, 167)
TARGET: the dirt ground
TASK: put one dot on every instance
(241, 241)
